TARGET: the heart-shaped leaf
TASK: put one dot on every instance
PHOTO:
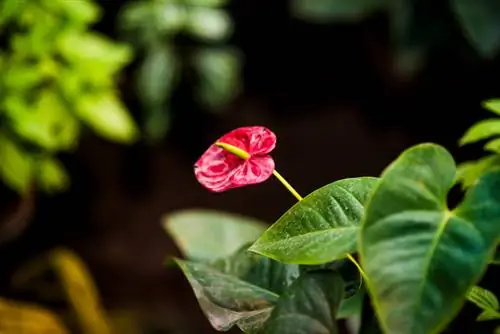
(320, 228)
(227, 300)
(310, 305)
(208, 235)
(421, 258)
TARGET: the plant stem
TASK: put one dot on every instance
(287, 185)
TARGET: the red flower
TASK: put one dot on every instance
(237, 159)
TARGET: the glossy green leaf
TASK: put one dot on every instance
(322, 227)
(492, 105)
(480, 21)
(51, 175)
(481, 130)
(333, 10)
(421, 258)
(156, 76)
(107, 116)
(219, 71)
(468, 172)
(209, 24)
(227, 300)
(486, 301)
(310, 305)
(208, 235)
(15, 165)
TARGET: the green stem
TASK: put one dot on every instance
(287, 185)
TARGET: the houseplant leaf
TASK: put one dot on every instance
(310, 305)
(421, 258)
(208, 235)
(320, 228)
(225, 299)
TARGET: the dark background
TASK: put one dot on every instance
(338, 107)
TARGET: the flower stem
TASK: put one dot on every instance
(287, 185)
(300, 198)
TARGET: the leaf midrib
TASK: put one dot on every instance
(431, 253)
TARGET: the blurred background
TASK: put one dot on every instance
(106, 105)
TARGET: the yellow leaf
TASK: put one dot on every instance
(16, 317)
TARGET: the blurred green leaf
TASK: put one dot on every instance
(9, 8)
(468, 172)
(333, 10)
(209, 24)
(93, 54)
(15, 165)
(310, 305)
(106, 114)
(207, 3)
(219, 76)
(81, 11)
(480, 21)
(46, 123)
(169, 18)
(156, 76)
(492, 105)
(134, 14)
(206, 235)
(157, 123)
(51, 175)
(481, 130)
(493, 145)
(21, 76)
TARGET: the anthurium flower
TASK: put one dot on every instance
(237, 159)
